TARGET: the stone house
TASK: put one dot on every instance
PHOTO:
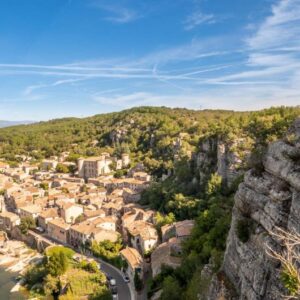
(30, 211)
(130, 196)
(69, 212)
(108, 223)
(142, 176)
(134, 261)
(8, 221)
(168, 254)
(86, 232)
(47, 215)
(48, 164)
(93, 214)
(180, 230)
(142, 236)
(93, 167)
(58, 230)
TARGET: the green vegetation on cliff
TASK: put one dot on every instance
(167, 141)
(207, 243)
(152, 135)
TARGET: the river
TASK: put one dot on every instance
(7, 281)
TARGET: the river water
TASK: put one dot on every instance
(7, 281)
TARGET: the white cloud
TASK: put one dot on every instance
(197, 49)
(198, 18)
(280, 29)
(273, 49)
(122, 101)
(123, 16)
(29, 89)
(238, 98)
(117, 13)
(271, 59)
(207, 73)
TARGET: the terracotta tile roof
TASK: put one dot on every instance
(104, 234)
(86, 227)
(144, 229)
(163, 255)
(93, 213)
(49, 213)
(108, 219)
(132, 256)
(9, 215)
(59, 222)
(184, 228)
(33, 209)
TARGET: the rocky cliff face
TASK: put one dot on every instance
(265, 200)
(216, 155)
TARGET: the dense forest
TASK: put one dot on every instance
(166, 141)
(148, 133)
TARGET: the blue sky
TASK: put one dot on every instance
(82, 57)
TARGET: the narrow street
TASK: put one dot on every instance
(123, 288)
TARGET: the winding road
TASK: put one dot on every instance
(125, 291)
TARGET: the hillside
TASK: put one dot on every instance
(5, 123)
(198, 159)
(152, 135)
(266, 198)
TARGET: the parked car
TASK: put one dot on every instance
(112, 282)
(125, 277)
(40, 229)
(114, 291)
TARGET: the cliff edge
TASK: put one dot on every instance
(268, 198)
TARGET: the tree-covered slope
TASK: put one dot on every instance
(168, 141)
(151, 134)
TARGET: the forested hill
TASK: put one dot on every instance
(5, 123)
(204, 154)
(151, 134)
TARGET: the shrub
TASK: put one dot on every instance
(26, 224)
(91, 267)
(34, 274)
(138, 283)
(214, 185)
(291, 281)
(243, 229)
(256, 159)
(171, 289)
(108, 251)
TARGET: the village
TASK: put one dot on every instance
(90, 205)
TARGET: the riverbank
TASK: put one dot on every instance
(15, 256)
(7, 282)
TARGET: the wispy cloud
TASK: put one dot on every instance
(272, 49)
(117, 13)
(206, 73)
(142, 98)
(280, 29)
(196, 49)
(198, 18)
(160, 65)
(29, 89)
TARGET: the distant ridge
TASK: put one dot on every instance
(4, 123)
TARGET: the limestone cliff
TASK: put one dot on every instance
(267, 198)
(222, 157)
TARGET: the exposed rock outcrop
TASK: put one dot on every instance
(218, 156)
(266, 199)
